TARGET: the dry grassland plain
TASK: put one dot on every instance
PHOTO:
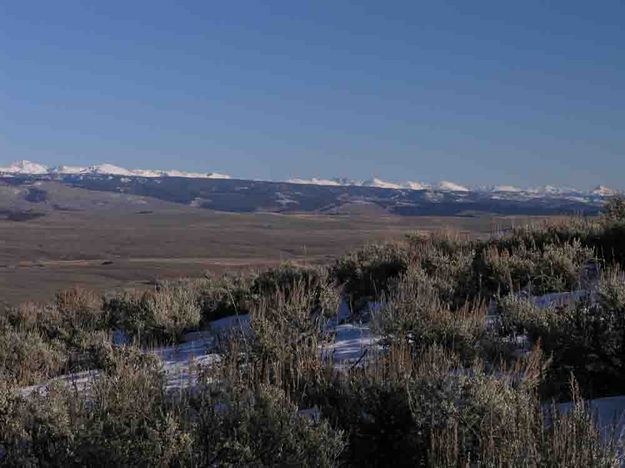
(108, 249)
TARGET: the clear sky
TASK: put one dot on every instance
(478, 92)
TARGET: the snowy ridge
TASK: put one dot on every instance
(25, 167)
(379, 183)
(448, 186)
(507, 192)
(603, 191)
(29, 168)
(315, 181)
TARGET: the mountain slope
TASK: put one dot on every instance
(29, 168)
(218, 192)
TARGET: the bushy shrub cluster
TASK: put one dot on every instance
(222, 295)
(554, 268)
(155, 316)
(585, 337)
(466, 270)
(414, 313)
(446, 259)
(433, 410)
(245, 427)
(39, 341)
(127, 419)
(448, 386)
(74, 332)
(367, 272)
(26, 357)
(442, 284)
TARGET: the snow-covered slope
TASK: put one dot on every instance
(379, 183)
(30, 168)
(552, 190)
(69, 170)
(194, 175)
(109, 169)
(315, 181)
(501, 189)
(603, 191)
(373, 182)
(415, 185)
(24, 167)
(446, 186)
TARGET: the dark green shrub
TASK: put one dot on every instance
(554, 268)
(614, 210)
(414, 313)
(434, 411)
(127, 420)
(81, 310)
(223, 296)
(27, 358)
(162, 315)
(73, 312)
(38, 430)
(447, 262)
(286, 335)
(367, 273)
(375, 416)
(497, 422)
(285, 277)
(606, 237)
(609, 242)
(262, 428)
(586, 337)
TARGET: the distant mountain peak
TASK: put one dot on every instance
(603, 191)
(415, 185)
(502, 189)
(30, 168)
(373, 182)
(379, 183)
(109, 169)
(25, 167)
(500, 192)
(316, 181)
(447, 186)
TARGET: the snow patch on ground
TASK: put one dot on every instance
(353, 343)
(283, 200)
(609, 413)
(181, 362)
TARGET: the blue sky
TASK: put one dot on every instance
(480, 92)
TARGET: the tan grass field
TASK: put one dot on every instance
(108, 249)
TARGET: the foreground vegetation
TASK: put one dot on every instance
(470, 372)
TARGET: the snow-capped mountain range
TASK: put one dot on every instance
(444, 186)
(31, 168)
(30, 183)
(496, 191)
(447, 186)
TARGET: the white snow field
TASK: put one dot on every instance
(181, 362)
